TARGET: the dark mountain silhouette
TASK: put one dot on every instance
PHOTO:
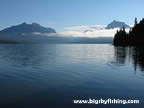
(134, 37)
(117, 24)
(27, 28)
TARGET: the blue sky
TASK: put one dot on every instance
(67, 13)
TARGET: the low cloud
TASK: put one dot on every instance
(90, 34)
(83, 28)
(92, 31)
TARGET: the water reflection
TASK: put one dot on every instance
(138, 58)
(45, 74)
(134, 55)
(120, 54)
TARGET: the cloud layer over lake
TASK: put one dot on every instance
(93, 31)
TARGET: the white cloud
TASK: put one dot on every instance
(91, 34)
(92, 31)
(83, 28)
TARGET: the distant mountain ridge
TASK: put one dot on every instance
(27, 28)
(35, 33)
(117, 24)
(25, 33)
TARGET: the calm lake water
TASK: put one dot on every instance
(45, 74)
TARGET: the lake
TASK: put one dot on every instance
(37, 75)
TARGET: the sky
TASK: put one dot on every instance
(62, 14)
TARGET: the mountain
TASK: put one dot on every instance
(117, 24)
(25, 33)
(27, 28)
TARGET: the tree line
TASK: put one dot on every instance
(134, 37)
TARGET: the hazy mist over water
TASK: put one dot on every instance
(43, 74)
